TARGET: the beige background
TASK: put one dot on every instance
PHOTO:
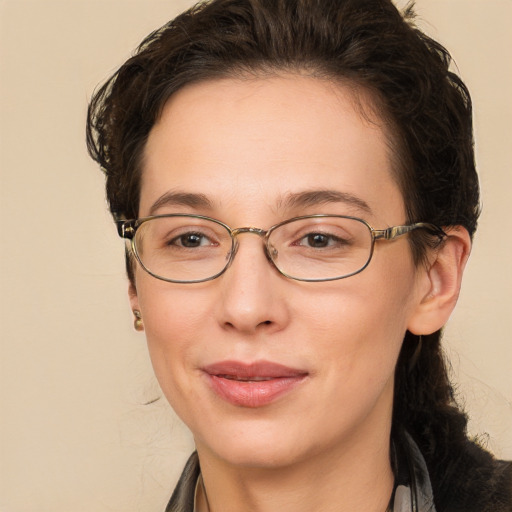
(75, 435)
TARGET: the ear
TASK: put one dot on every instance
(133, 297)
(440, 282)
(138, 323)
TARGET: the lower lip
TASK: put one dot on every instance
(253, 393)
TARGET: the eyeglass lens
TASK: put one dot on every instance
(187, 249)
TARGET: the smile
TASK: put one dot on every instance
(252, 385)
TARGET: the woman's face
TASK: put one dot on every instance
(267, 371)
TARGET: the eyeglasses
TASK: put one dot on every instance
(182, 248)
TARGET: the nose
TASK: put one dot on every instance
(253, 293)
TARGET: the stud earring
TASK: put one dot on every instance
(137, 323)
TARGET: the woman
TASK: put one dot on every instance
(297, 186)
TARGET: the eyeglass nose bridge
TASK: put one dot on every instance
(270, 251)
(257, 231)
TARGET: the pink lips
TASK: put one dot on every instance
(252, 385)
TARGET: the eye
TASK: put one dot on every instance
(191, 240)
(319, 240)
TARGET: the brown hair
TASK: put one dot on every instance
(367, 43)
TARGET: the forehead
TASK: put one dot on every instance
(256, 141)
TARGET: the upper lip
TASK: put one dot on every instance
(256, 369)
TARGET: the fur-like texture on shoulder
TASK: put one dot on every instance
(475, 482)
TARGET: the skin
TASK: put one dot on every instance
(246, 145)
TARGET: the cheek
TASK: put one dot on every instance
(174, 320)
(356, 311)
(357, 339)
(361, 323)
(171, 312)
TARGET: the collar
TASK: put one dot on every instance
(413, 492)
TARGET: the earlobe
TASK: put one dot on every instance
(134, 304)
(441, 281)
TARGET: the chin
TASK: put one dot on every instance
(259, 444)
(255, 456)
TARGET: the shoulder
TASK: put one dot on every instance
(467, 479)
(476, 482)
(487, 489)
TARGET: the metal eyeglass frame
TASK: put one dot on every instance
(128, 228)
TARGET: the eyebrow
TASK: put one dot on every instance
(173, 198)
(304, 199)
(310, 198)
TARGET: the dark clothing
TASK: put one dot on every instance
(413, 492)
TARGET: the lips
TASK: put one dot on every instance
(252, 385)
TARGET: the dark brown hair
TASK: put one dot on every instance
(427, 107)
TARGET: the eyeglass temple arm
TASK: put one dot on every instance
(396, 231)
(125, 228)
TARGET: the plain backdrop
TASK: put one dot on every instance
(76, 435)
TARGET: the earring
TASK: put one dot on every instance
(137, 323)
(416, 355)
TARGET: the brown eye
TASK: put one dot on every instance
(321, 241)
(191, 240)
(317, 240)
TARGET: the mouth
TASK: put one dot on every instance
(245, 379)
(252, 385)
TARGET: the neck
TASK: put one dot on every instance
(337, 480)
